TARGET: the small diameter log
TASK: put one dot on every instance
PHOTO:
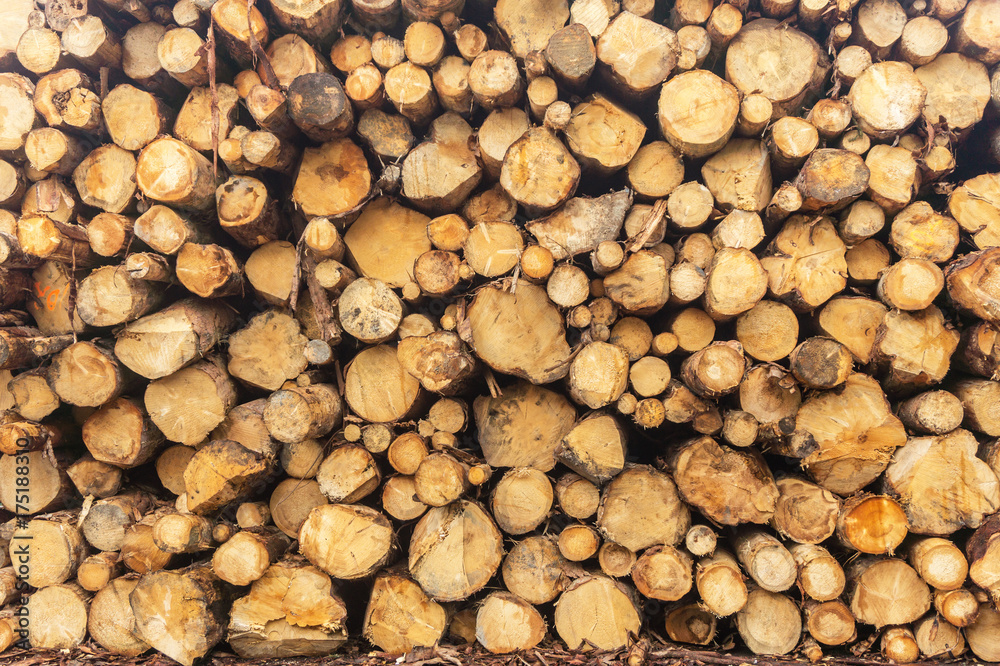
(48, 482)
(539, 172)
(593, 118)
(819, 574)
(97, 571)
(109, 297)
(899, 645)
(49, 150)
(769, 623)
(535, 569)
(689, 623)
(42, 238)
(181, 55)
(664, 573)
(110, 234)
(86, 375)
(66, 99)
(830, 622)
(595, 448)
(400, 616)
(140, 60)
(183, 533)
(886, 591)
(33, 398)
(167, 231)
(139, 551)
(348, 474)
(209, 271)
(268, 352)
(958, 607)
(506, 623)
(180, 613)
(222, 472)
(932, 412)
(194, 120)
(766, 560)
(18, 92)
(607, 601)
(411, 91)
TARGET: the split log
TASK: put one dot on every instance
(607, 601)
(400, 616)
(110, 620)
(444, 541)
(180, 613)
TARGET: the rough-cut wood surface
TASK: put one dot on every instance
(539, 328)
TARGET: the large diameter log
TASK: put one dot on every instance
(769, 58)
(180, 613)
(663, 520)
(292, 610)
(886, 591)
(770, 623)
(961, 498)
(596, 611)
(830, 428)
(729, 486)
(365, 542)
(187, 405)
(400, 616)
(539, 172)
(523, 427)
(529, 316)
(221, 473)
(111, 622)
(713, 121)
(173, 173)
(59, 617)
(454, 550)
(162, 343)
(268, 351)
(54, 549)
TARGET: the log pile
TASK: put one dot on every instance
(413, 322)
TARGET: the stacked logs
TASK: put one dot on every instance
(485, 322)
